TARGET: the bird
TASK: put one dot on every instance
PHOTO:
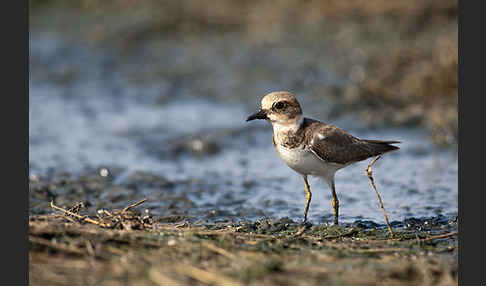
(314, 148)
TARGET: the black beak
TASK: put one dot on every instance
(261, 114)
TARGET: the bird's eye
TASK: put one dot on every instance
(279, 105)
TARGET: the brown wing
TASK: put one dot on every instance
(332, 144)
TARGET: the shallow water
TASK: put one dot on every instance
(84, 114)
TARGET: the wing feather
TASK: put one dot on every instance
(333, 144)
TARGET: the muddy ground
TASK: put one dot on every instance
(114, 236)
(130, 247)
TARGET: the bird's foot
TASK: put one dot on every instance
(305, 225)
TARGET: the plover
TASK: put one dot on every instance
(314, 148)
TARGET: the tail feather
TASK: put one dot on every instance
(380, 147)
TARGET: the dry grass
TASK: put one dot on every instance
(77, 252)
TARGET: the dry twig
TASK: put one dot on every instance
(83, 218)
(134, 205)
(440, 236)
(125, 218)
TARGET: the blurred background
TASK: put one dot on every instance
(144, 96)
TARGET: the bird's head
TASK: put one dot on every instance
(279, 107)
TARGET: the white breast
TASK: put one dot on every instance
(306, 162)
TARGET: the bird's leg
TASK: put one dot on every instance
(335, 203)
(369, 174)
(308, 196)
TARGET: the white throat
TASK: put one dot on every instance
(284, 128)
